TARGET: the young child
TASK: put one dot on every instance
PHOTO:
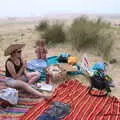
(41, 50)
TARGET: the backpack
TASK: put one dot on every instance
(63, 58)
(98, 81)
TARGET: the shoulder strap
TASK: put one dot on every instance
(10, 61)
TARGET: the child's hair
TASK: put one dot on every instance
(40, 42)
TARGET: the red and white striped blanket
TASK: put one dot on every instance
(83, 105)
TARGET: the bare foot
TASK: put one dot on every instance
(47, 98)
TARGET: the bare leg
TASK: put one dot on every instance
(33, 80)
(26, 87)
(33, 77)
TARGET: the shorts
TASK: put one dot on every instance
(24, 78)
(10, 82)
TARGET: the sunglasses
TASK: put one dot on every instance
(19, 51)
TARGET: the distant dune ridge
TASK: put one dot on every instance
(113, 18)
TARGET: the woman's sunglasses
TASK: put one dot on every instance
(19, 51)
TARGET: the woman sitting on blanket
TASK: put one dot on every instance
(16, 67)
(15, 71)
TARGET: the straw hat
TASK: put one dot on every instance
(11, 48)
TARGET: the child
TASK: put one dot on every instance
(41, 50)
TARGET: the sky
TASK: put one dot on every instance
(27, 8)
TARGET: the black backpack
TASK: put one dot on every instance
(99, 82)
(63, 58)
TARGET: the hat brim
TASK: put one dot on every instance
(12, 48)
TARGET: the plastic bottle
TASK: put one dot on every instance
(47, 78)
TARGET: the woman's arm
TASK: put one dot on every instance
(12, 71)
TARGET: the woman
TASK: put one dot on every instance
(15, 71)
(16, 67)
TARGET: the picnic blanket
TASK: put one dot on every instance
(83, 105)
(26, 101)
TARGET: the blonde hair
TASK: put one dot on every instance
(40, 43)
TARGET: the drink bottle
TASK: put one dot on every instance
(47, 78)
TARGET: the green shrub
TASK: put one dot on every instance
(104, 44)
(85, 33)
(1, 38)
(54, 34)
(43, 25)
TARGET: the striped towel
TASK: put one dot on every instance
(83, 105)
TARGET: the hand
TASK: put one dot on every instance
(25, 63)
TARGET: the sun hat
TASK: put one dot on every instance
(11, 48)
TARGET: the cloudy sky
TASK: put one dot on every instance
(25, 8)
